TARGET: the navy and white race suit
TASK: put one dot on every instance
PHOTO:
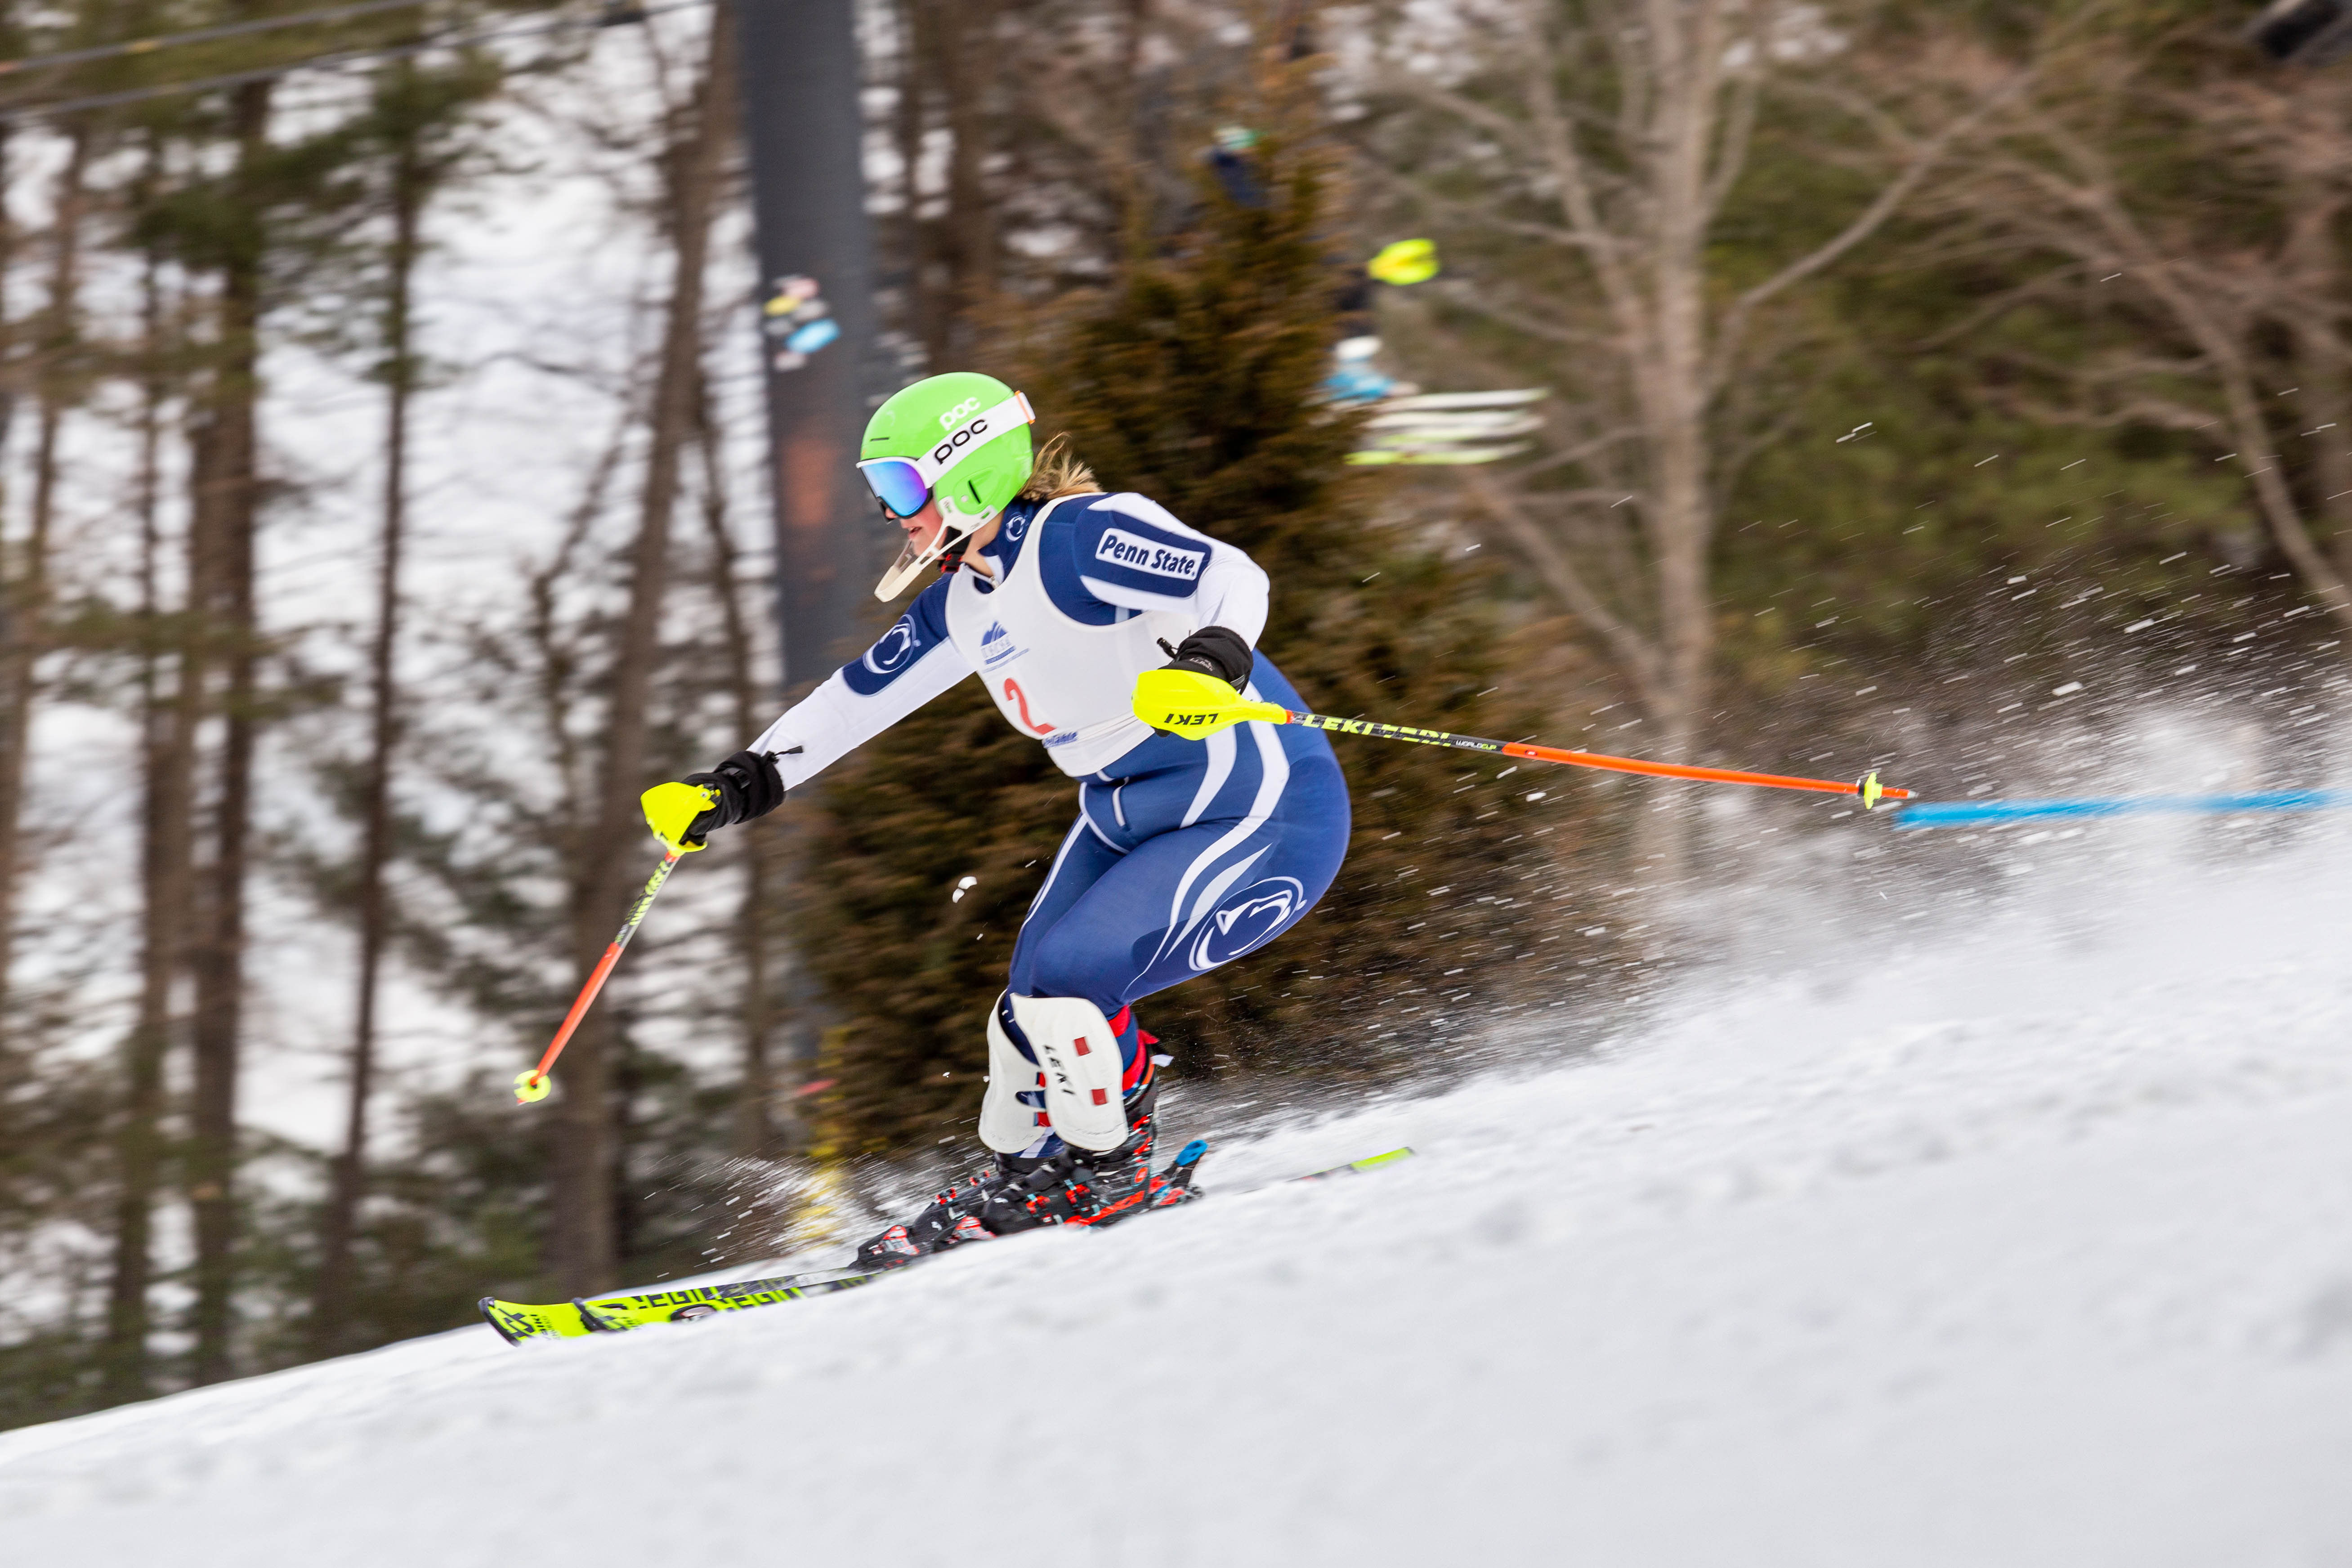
(1185, 854)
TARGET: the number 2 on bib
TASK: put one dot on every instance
(1013, 695)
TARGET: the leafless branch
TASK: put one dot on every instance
(1639, 657)
(1924, 157)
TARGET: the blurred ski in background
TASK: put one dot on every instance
(1408, 426)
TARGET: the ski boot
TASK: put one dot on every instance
(953, 1218)
(1056, 1185)
(1083, 1186)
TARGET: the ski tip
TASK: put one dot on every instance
(488, 1306)
(516, 1321)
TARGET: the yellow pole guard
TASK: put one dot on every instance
(1196, 705)
(1405, 262)
(671, 808)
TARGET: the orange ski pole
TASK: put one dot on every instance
(1867, 788)
(1182, 701)
(533, 1085)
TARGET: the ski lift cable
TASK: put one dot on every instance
(204, 35)
(323, 62)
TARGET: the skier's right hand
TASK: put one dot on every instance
(682, 814)
(1178, 701)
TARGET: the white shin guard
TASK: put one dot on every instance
(1079, 1057)
(1007, 1125)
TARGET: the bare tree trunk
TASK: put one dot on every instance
(164, 797)
(220, 956)
(167, 731)
(54, 377)
(756, 1133)
(1676, 396)
(2315, 261)
(9, 371)
(331, 1309)
(8, 327)
(582, 1245)
(928, 304)
(168, 755)
(2327, 401)
(965, 34)
(167, 744)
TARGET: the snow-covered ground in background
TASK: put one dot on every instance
(2027, 1246)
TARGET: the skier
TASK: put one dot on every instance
(1079, 611)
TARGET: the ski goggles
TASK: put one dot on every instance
(903, 485)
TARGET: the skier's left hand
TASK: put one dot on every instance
(682, 815)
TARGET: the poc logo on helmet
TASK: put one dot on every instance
(947, 420)
(963, 438)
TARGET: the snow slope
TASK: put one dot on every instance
(2029, 1248)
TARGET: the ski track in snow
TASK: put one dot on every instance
(2034, 1249)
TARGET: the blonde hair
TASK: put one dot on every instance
(1057, 472)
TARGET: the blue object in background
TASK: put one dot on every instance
(1955, 814)
(813, 336)
(1357, 382)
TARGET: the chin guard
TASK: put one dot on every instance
(955, 532)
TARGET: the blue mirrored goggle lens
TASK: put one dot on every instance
(897, 484)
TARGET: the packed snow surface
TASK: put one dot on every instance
(2029, 1244)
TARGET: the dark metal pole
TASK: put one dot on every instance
(803, 127)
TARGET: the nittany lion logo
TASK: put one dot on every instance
(894, 647)
(1249, 918)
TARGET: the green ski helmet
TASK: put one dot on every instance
(961, 439)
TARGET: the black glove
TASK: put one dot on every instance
(748, 786)
(1214, 650)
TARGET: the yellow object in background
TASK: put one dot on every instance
(1405, 261)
